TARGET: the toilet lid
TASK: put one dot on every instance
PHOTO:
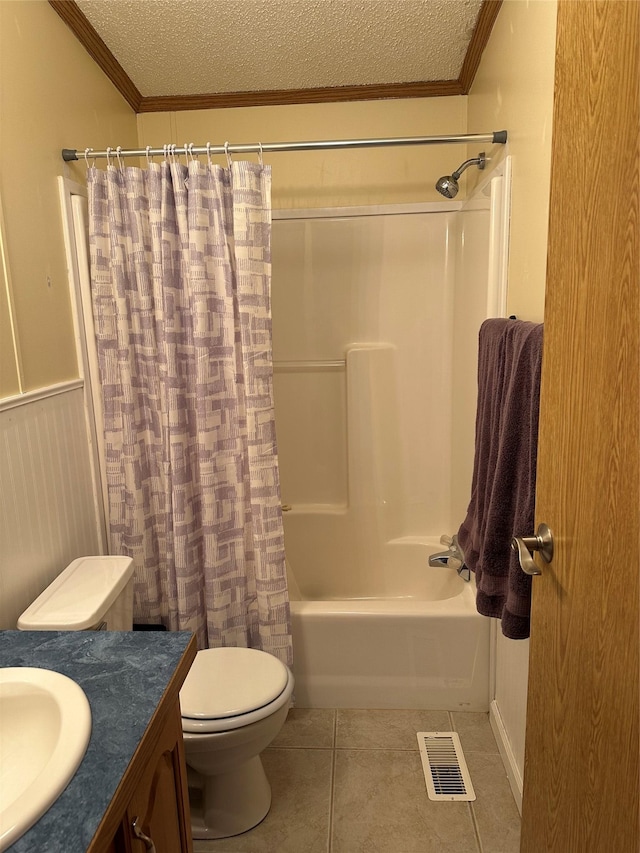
(227, 682)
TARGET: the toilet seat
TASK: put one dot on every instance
(228, 688)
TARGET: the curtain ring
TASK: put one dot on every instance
(260, 157)
(226, 151)
(118, 150)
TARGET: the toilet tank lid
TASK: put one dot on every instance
(80, 596)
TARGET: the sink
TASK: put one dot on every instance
(45, 725)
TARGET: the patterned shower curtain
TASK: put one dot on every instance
(180, 279)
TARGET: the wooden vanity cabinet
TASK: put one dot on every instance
(159, 806)
(153, 792)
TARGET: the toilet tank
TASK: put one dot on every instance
(91, 594)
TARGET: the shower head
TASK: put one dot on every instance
(447, 185)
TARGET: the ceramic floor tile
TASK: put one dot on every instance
(475, 732)
(299, 818)
(307, 727)
(364, 729)
(381, 806)
(496, 813)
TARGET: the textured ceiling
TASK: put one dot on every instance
(190, 47)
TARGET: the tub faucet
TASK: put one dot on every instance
(453, 557)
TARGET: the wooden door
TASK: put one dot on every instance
(582, 752)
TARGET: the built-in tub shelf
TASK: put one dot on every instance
(317, 366)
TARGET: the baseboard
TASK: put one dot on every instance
(506, 753)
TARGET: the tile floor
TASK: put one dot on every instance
(351, 781)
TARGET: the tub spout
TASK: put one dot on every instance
(440, 559)
(453, 557)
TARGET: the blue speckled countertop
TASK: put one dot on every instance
(124, 676)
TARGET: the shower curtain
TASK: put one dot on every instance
(180, 280)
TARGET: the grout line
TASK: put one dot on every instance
(472, 814)
(290, 746)
(333, 782)
(476, 828)
(379, 748)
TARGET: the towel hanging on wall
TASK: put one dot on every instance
(504, 470)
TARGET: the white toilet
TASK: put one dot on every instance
(234, 701)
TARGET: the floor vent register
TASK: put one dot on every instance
(445, 769)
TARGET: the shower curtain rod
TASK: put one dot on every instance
(497, 137)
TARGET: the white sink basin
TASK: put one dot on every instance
(45, 724)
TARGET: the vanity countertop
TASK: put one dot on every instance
(124, 676)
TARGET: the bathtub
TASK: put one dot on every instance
(421, 645)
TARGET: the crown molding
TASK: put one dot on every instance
(486, 19)
(71, 14)
(98, 50)
(328, 94)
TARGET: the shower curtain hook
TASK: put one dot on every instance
(260, 157)
(118, 150)
(209, 152)
(86, 157)
(148, 156)
(226, 151)
(109, 150)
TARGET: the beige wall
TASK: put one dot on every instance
(52, 96)
(332, 178)
(514, 90)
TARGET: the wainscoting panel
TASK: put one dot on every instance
(508, 711)
(47, 505)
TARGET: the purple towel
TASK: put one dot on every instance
(504, 472)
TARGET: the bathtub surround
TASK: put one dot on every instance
(504, 477)
(376, 313)
(180, 267)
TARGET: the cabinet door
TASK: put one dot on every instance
(120, 843)
(159, 806)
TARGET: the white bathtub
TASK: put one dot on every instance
(423, 647)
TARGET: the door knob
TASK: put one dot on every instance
(541, 542)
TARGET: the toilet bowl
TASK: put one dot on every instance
(233, 703)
